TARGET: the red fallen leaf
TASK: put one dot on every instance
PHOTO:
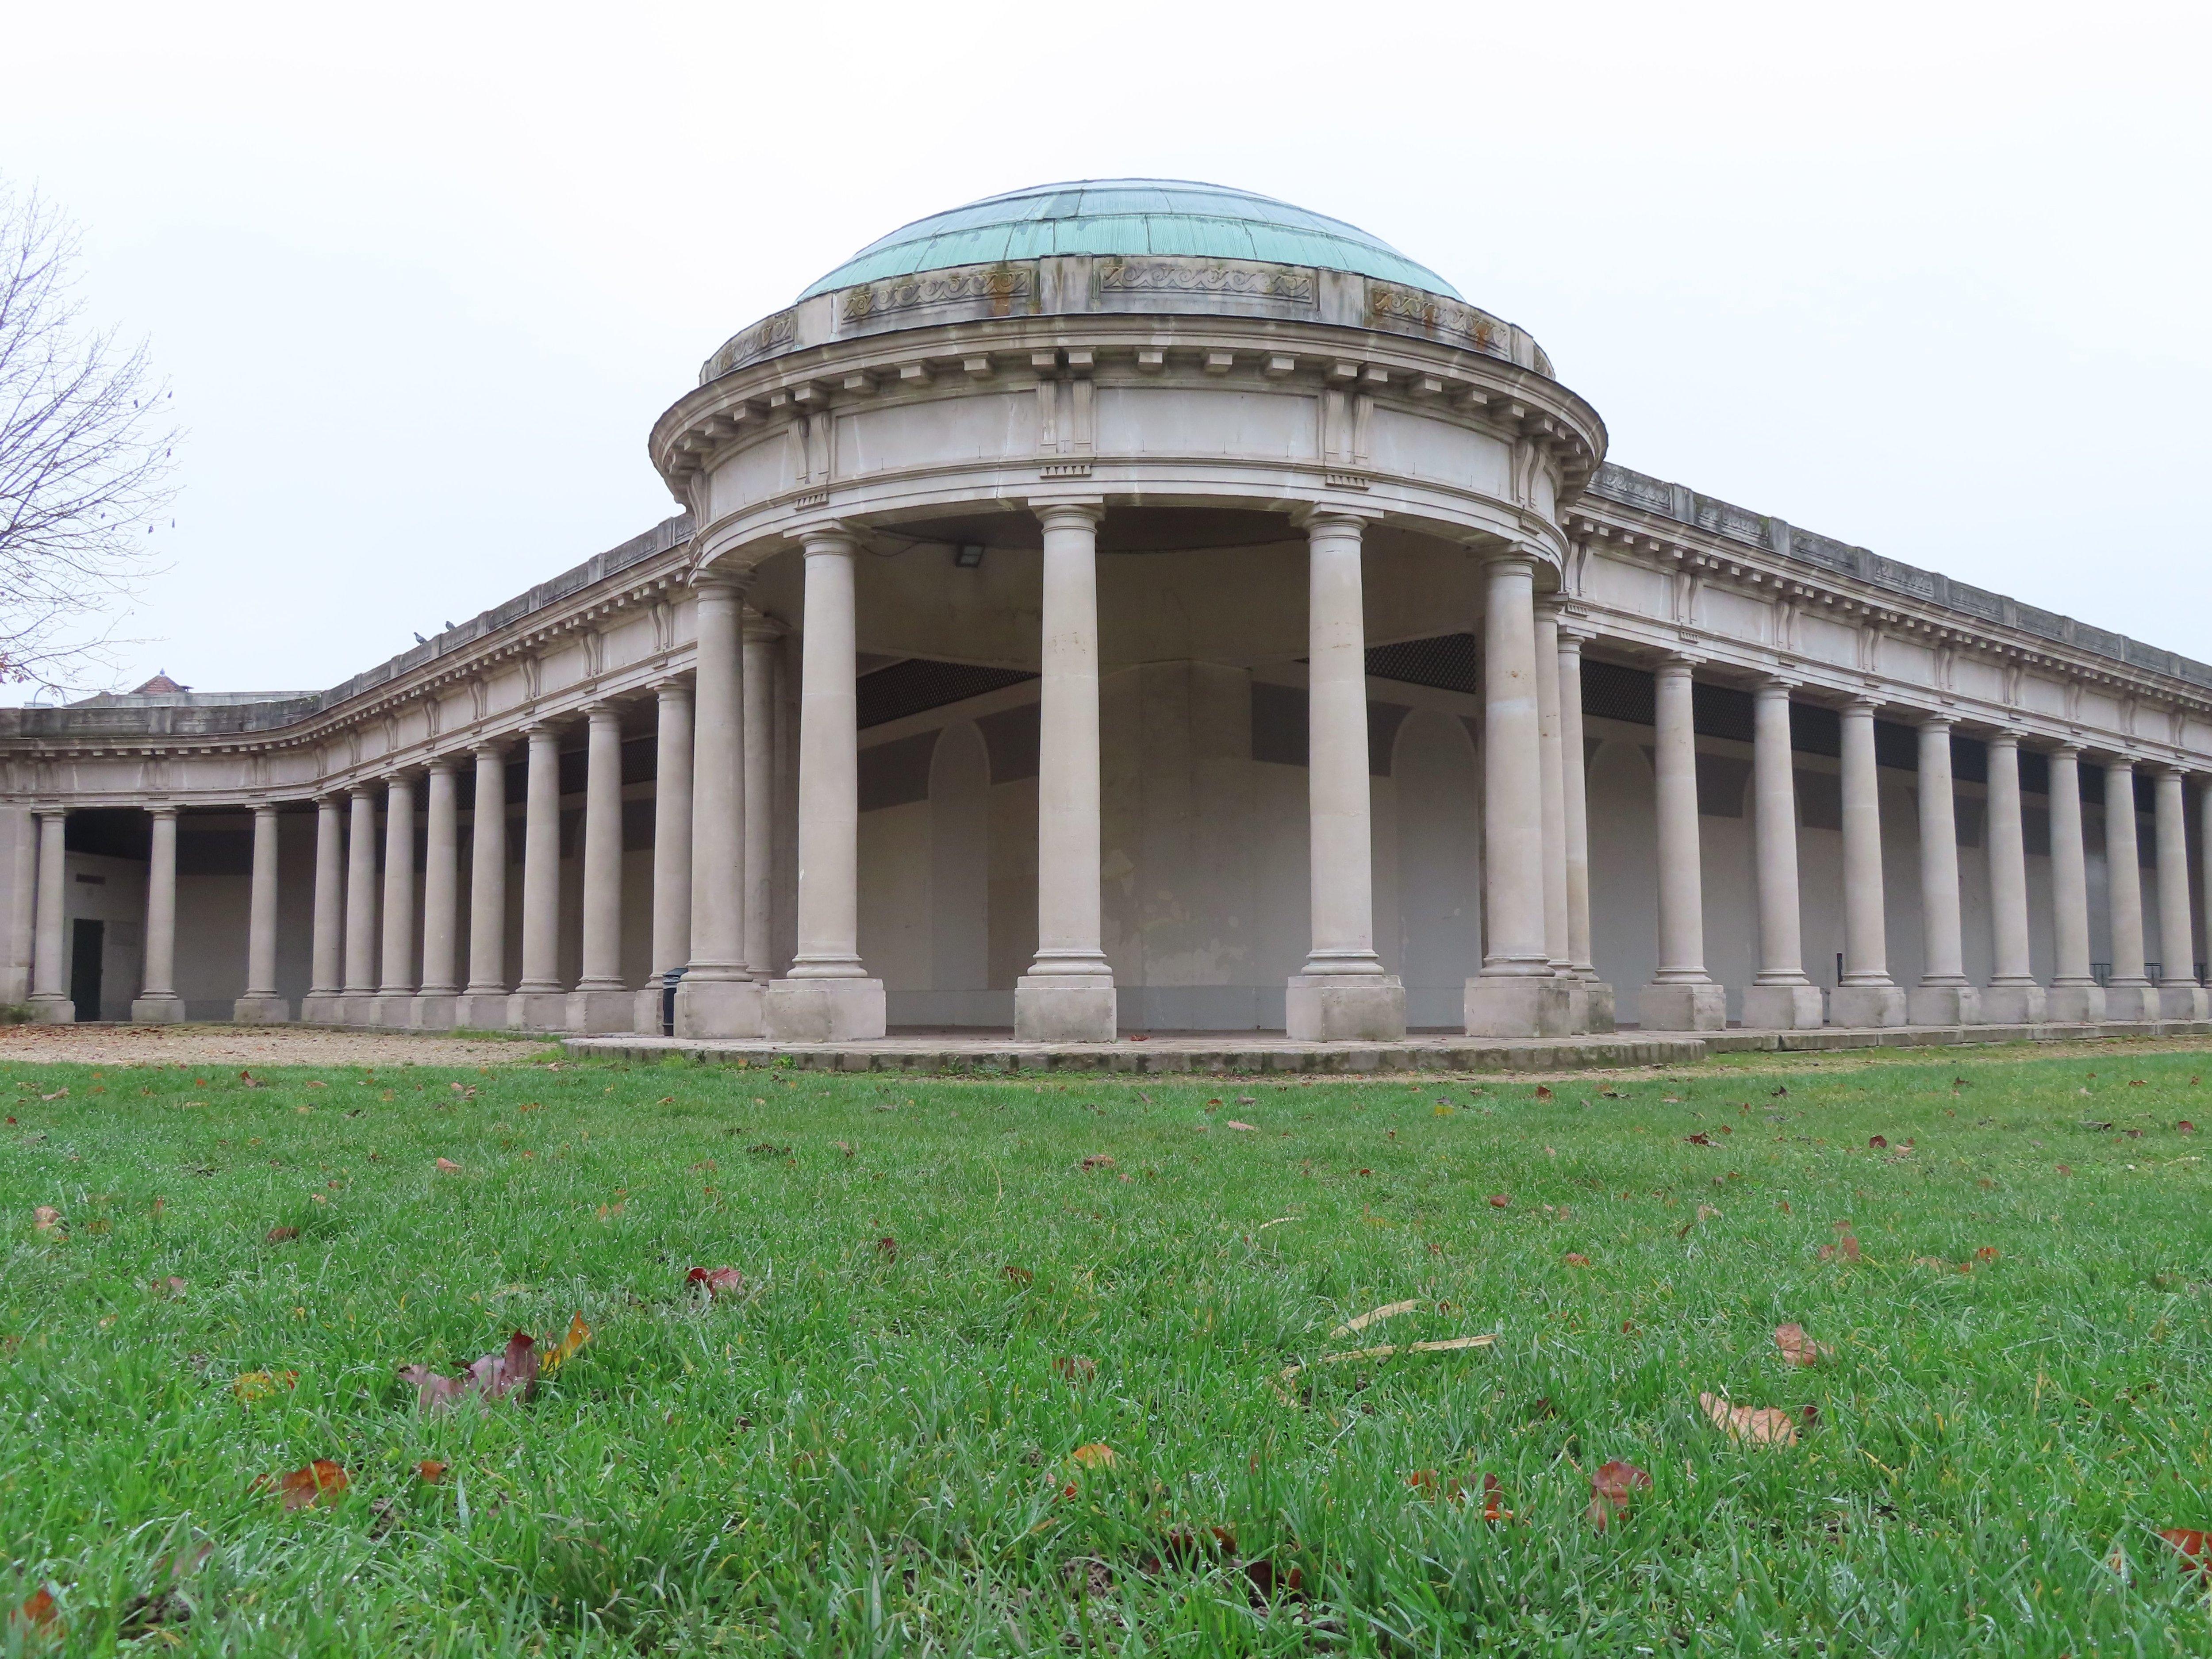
(2185, 1126)
(1075, 1369)
(279, 1235)
(447, 1166)
(47, 1216)
(1610, 1489)
(1097, 1161)
(431, 1470)
(1847, 1242)
(1019, 1276)
(1879, 1143)
(1577, 1259)
(1269, 1581)
(2066, 1168)
(2195, 1546)
(1798, 1348)
(1499, 1200)
(1987, 1253)
(1493, 1501)
(303, 1488)
(1543, 1092)
(1700, 1139)
(2136, 1083)
(887, 1248)
(1422, 1481)
(1096, 1455)
(718, 1281)
(512, 1370)
(40, 1608)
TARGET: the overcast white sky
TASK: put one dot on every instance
(1928, 278)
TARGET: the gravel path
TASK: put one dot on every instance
(253, 1045)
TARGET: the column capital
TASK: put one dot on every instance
(2004, 737)
(673, 688)
(758, 627)
(261, 808)
(1930, 719)
(716, 577)
(1083, 514)
(1775, 685)
(825, 535)
(165, 810)
(1679, 662)
(446, 764)
(1332, 516)
(484, 746)
(405, 774)
(544, 727)
(50, 811)
(1511, 553)
(600, 709)
(1859, 703)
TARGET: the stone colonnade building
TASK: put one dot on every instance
(1146, 606)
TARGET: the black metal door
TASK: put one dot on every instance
(87, 941)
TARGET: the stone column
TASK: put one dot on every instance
(262, 1005)
(538, 1003)
(1867, 995)
(1781, 998)
(1682, 996)
(2129, 994)
(672, 847)
(1597, 999)
(23, 915)
(50, 995)
(2074, 996)
(395, 997)
(719, 996)
(157, 1002)
(360, 907)
(326, 962)
(2179, 995)
(1551, 766)
(828, 996)
(761, 637)
(433, 1006)
(1516, 994)
(2012, 997)
(601, 1002)
(1342, 994)
(482, 1006)
(1944, 996)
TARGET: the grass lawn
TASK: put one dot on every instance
(956, 1292)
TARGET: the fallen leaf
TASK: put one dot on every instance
(1097, 1161)
(1700, 1139)
(1611, 1487)
(572, 1343)
(1543, 1092)
(1096, 1455)
(279, 1235)
(303, 1488)
(1577, 1259)
(1019, 1276)
(717, 1281)
(431, 1470)
(48, 1219)
(1363, 1321)
(2185, 1126)
(2136, 1083)
(2195, 1546)
(1706, 1212)
(1493, 1502)
(1234, 1124)
(1763, 1425)
(2066, 1168)
(1499, 1200)
(1847, 1242)
(887, 1248)
(172, 1287)
(1799, 1349)
(1987, 1253)
(1778, 1091)
(447, 1166)
(512, 1370)
(39, 1609)
(1878, 1142)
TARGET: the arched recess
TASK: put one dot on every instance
(1624, 869)
(1439, 866)
(960, 872)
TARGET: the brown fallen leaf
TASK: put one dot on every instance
(431, 1471)
(1577, 1259)
(1493, 1500)
(1447, 1345)
(39, 1609)
(1700, 1139)
(1234, 1124)
(171, 1289)
(1096, 1455)
(1097, 1161)
(1543, 1092)
(48, 1219)
(1799, 1349)
(1019, 1276)
(251, 1386)
(1611, 1484)
(887, 1248)
(2195, 1546)
(1878, 1142)
(1360, 1323)
(447, 1166)
(2185, 1126)
(1499, 1200)
(1763, 1425)
(1847, 1242)
(303, 1488)
(717, 1281)
(280, 1235)
(512, 1371)
(1075, 1369)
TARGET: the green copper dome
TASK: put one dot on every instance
(1129, 217)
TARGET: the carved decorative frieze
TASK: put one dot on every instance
(1292, 283)
(764, 338)
(1389, 307)
(1007, 289)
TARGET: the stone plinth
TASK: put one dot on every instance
(1783, 1007)
(1862, 1007)
(1664, 1006)
(1345, 1008)
(1943, 1004)
(261, 1011)
(816, 1010)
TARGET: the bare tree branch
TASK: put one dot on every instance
(84, 458)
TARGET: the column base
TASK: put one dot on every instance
(392, 1011)
(261, 1011)
(734, 1007)
(2131, 1003)
(1669, 1005)
(1943, 1004)
(320, 1008)
(645, 1014)
(2012, 1005)
(1783, 1007)
(815, 1009)
(1603, 1009)
(1343, 1008)
(165, 1009)
(480, 1011)
(2183, 1002)
(433, 1011)
(538, 1011)
(353, 1007)
(1518, 1005)
(602, 1010)
(2075, 1005)
(53, 1010)
(1859, 1006)
(1052, 1008)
